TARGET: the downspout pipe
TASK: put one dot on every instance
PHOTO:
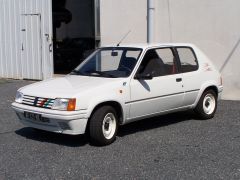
(150, 21)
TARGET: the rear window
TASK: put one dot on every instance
(188, 59)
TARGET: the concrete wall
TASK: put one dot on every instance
(119, 17)
(213, 25)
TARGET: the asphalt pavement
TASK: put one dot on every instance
(176, 146)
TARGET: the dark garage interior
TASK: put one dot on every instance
(74, 32)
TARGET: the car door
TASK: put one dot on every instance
(161, 93)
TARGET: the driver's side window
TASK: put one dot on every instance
(158, 62)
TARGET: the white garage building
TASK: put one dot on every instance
(40, 38)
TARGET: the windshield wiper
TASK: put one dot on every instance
(101, 74)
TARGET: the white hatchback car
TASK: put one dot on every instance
(120, 84)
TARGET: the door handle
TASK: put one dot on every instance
(179, 79)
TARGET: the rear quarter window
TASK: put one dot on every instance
(188, 59)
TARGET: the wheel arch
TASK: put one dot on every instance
(204, 88)
(116, 105)
(212, 87)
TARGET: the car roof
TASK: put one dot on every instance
(150, 45)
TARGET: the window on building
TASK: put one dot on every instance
(188, 59)
(158, 62)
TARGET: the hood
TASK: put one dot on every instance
(67, 87)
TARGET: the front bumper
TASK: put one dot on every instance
(66, 122)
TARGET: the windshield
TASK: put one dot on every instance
(112, 62)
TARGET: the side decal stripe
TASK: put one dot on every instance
(46, 104)
(161, 96)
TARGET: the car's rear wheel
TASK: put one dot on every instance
(207, 105)
(103, 126)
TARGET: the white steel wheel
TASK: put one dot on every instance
(209, 104)
(109, 125)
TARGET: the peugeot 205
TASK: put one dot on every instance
(116, 85)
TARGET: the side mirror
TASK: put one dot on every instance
(143, 76)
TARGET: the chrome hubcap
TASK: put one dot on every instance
(209, 104)
(109, 125)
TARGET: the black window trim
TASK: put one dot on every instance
(179, 60)
(175, 55)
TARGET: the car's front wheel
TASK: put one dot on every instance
(207, 105)
(103, 126)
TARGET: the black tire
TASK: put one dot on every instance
(202, 104)
(96, 133)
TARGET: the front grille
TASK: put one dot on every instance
(38, 101)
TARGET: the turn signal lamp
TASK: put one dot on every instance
(71, 105)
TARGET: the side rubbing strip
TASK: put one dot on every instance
(161, 96)
(192, 90)
(153, 98)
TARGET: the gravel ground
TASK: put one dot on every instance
(174, 146)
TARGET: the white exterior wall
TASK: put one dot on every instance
(212, 25)
(118, 17)
(12, 63)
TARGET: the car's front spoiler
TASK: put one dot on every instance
(73, 122)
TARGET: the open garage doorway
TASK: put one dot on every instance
(76, 32)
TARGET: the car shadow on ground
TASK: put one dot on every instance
(81, 140)
(54, 138)
(155, 122)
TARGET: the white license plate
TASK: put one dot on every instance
(35, 117)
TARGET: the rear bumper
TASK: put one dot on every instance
(220, 90)
(73, 122)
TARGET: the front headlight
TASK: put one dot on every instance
(64, 104)
(19, 97)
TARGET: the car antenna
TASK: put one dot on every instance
(123, 38)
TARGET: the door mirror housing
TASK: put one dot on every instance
(143, 76)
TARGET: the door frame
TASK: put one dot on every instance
(174, 52)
